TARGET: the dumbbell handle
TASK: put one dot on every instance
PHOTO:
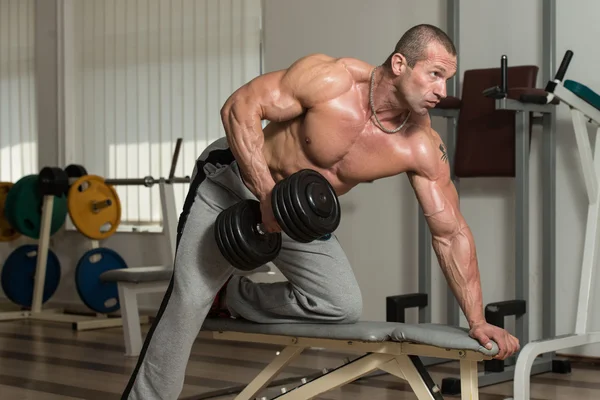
(98, 205)
(260, 228)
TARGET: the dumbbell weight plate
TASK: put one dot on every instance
(257, 248)
(246, 263)
(278, 206)
(301, 230)
(224, 241)
(231, 249)
(282, 211)
(315, 202)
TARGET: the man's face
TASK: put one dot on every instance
(423, 86)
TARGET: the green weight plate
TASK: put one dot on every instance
(24, 208)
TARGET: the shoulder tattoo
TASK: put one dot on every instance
(444, 154)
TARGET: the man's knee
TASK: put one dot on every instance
(349, 306)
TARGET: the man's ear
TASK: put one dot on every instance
(399, 64)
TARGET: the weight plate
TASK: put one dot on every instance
(316, 202)
(278, 205)
(301, 221)
(258, 248)
(101, 297)
(7, 231)
(18, 275)
(23, 208)
(299, 232)
(245, 261)
(222, 244)
(224, 241)
(53, 181)
(75, 171)
(94, 207)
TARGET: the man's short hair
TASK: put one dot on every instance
(413, 43)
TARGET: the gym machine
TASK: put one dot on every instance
(584, 105)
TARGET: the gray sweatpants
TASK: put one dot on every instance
(320, 285)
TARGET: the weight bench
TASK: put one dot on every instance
(391, 347)
(131, 282)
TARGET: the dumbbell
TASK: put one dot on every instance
(305, 206)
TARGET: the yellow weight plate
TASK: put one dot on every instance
(94, 207)
(7, 232)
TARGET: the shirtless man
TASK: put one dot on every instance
(351, 122)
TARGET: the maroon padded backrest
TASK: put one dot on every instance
(485, 137)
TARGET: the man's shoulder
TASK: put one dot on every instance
(323, 63)
(427, 149)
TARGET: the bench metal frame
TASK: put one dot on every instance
(400, 359)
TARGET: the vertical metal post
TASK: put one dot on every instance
(549, 178)
(453, 13)
(522, 221)
(424, 266)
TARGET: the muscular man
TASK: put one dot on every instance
(353, 123)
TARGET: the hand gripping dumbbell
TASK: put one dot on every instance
(305, 206)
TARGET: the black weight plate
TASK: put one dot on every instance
(281, 211)
(249, 259)
(258, 248)
(246, 262)
(305, 221)
(228, 241)
(221, 242)
(301, 231)
(279, 207)
(323, 216)
(53, 181)
(289, 215)
(75, 171)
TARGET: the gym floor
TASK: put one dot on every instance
(50, 361)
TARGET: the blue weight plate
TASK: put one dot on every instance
(18, 275)
(101, 297)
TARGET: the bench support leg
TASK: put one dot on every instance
(130, 313)
(469, 385)
(338, 377)
(131, 320)
(286, 356)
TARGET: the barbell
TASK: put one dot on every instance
(304, 204)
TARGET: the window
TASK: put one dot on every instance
(18, 124)
(144, 73)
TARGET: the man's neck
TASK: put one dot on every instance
(387, 105)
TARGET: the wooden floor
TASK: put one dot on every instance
(49, 361)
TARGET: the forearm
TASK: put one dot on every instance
(458, 261)
(246, 139)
